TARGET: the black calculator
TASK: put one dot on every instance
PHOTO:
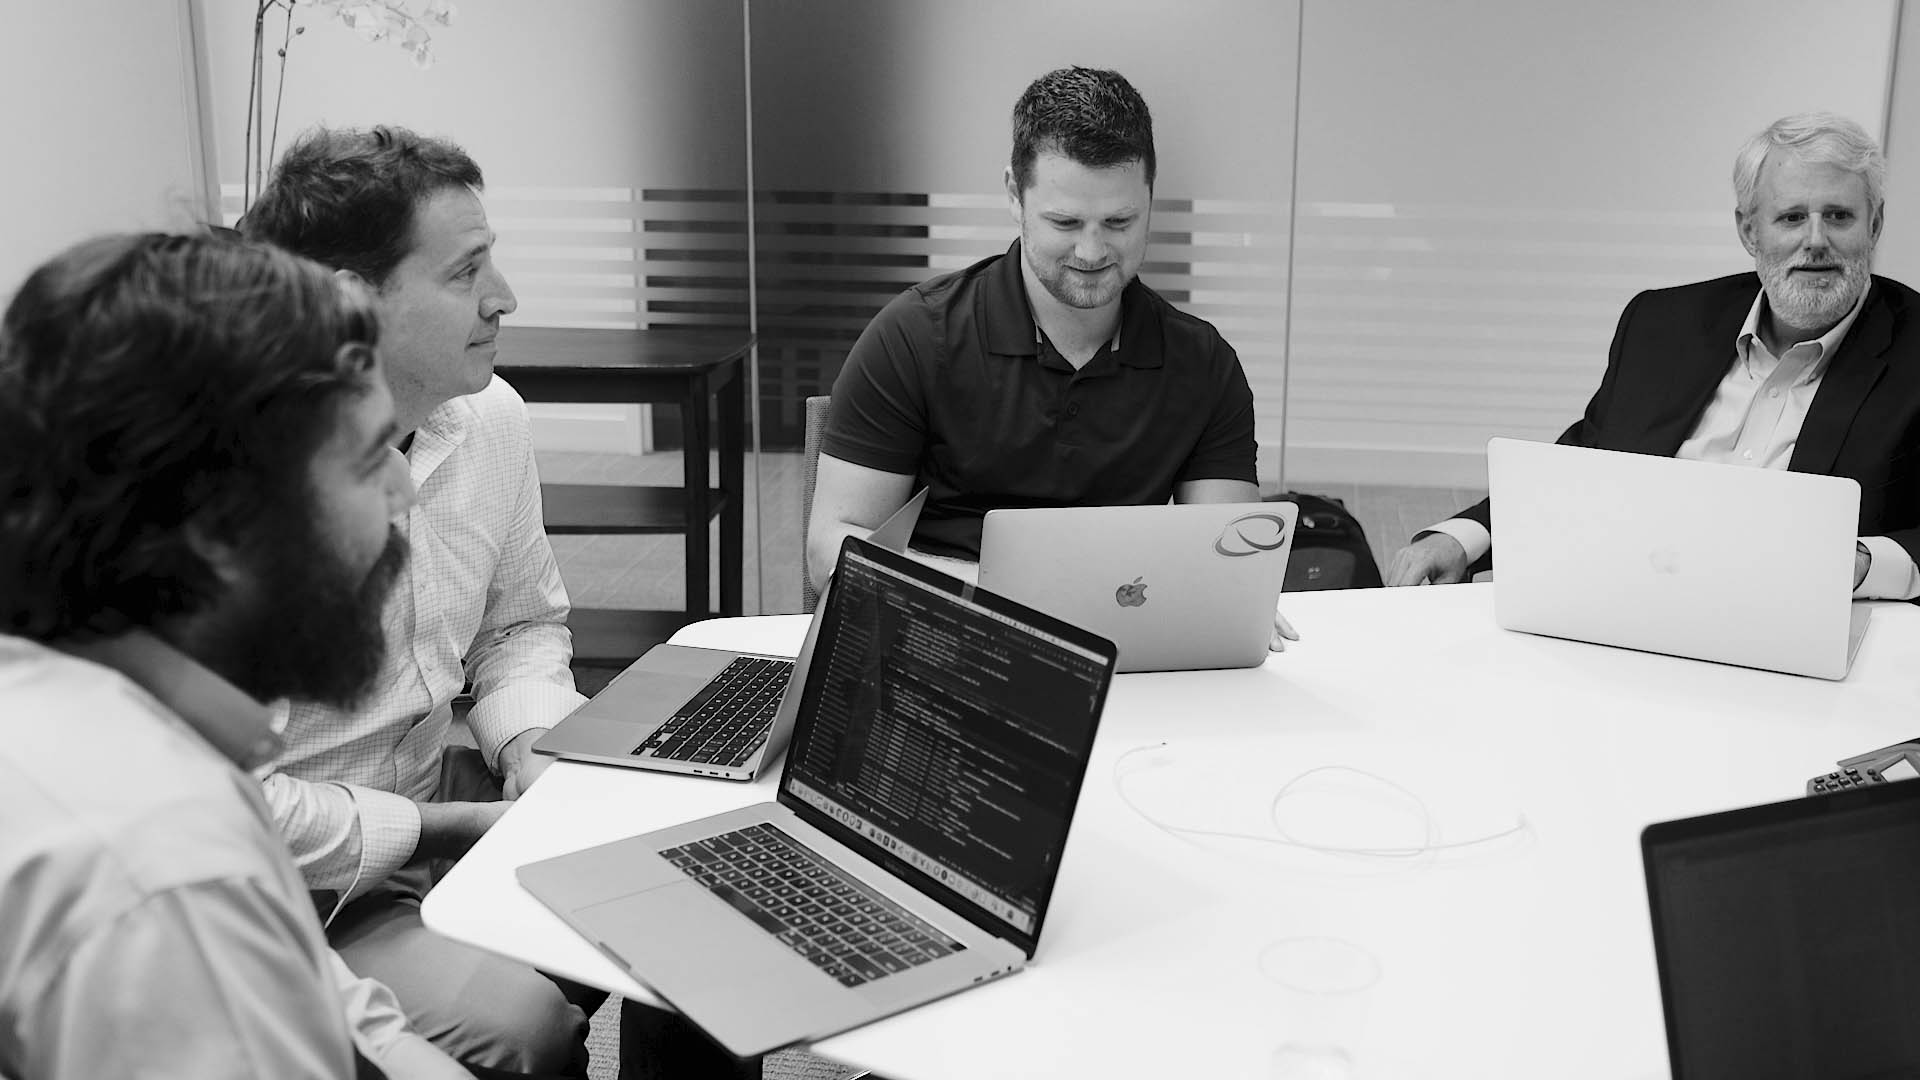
(1901, 761)
(1843, 779)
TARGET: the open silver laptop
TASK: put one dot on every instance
(701, 712)
(1176, 586)
(943, 737)
(1716, 562)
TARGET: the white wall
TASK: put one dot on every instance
(99, 124)
(857, 102)
(915, 95)
(580, 93)
(571, 109)
(1481, 185)
(1899, 252)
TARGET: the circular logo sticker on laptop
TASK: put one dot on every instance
(1251, 534)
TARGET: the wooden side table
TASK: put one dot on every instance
(703, 372)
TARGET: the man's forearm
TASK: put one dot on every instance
(519, 765)
(823, 550)
(448, 829)
(341, 834)
(1889, 570)
(1216, 491)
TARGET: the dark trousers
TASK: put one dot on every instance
(367, 1070)
(659, 1044)
(509, 1018)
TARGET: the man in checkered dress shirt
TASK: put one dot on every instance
(361, 794)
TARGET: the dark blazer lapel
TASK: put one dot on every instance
(1706, 365)
(1854, 371)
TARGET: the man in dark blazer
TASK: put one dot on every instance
(1810, 364)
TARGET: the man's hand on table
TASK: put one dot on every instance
(1283, 632)
(448, 829)
(519, 765)
(1433, 559)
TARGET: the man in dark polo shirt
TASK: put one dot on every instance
(1044, 376)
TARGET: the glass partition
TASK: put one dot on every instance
(613, 138)
(1480, 190)
(880, 132)
(1483, 187)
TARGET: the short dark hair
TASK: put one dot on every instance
(347, 198)
(152, 382)
(1092, 116)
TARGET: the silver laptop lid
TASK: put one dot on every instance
(1182, 586)
(894, 533)
(944, 733)
(1718, 562)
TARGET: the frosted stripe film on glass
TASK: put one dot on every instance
(1482, 188)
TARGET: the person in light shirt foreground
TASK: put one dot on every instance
(197, 481)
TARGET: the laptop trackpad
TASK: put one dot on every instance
(622, 716)
(642, 696)
(581, 882)
(713, 963)
(685, 936)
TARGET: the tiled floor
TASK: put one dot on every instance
(646, 571)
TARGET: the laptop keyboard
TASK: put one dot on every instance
(834, 922)
(729, 719)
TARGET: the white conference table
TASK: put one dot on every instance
(1170, 954)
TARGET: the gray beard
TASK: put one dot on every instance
(1798, 304)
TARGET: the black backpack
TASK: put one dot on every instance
(1329, 547)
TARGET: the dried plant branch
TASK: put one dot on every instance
(373, 20)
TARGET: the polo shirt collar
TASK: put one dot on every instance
(1012, 331)
(239, 727)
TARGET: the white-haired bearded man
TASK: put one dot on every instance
(1809, 363)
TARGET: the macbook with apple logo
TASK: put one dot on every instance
(1176, 587)
(1729, 563)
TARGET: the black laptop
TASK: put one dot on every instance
(1788, 937)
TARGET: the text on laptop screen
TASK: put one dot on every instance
(949, 735)
(1788, 946)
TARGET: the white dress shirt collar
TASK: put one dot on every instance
(242, 729)
(1825, 345)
